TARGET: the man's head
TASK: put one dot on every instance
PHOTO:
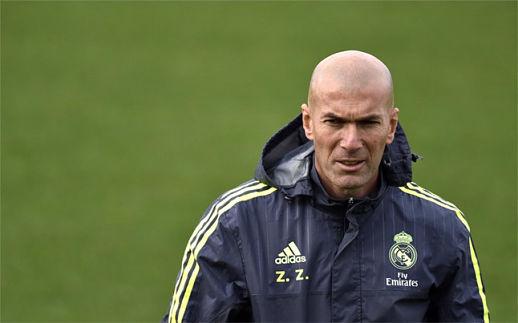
(350, 117)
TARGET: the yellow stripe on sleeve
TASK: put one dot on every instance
(474, 260)
(460, 216)
(188, 293)
(200, 228)
(462, 219)
(203, 223)
(476, 269)
(196, 249)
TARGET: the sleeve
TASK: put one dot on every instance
(462, 297)
(211, 283)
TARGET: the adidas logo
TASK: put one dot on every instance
(290, 255)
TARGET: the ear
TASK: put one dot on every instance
(394, 117)
(306, 121)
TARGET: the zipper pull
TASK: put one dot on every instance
(351, 201)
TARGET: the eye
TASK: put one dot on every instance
(332, 122)
(369, 123)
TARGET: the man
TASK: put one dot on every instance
(332, 228)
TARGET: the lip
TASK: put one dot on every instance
(351, 165)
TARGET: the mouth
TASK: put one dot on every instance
(351, 165)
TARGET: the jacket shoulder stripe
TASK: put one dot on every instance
(419, 189)
(227, 207)
(414, 189)
(428, 198)
(198, 240)
(252, 185)
(207, 221)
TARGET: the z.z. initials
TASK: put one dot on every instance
(282, 276)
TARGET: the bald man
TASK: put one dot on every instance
(332, 228)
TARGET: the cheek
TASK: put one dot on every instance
(325, 140)
(377, 141)
(324, 146)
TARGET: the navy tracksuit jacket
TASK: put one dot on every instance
(277, 248)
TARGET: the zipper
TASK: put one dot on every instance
(350, 203)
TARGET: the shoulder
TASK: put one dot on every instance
(430, 206)
(214, 224)
(232, 200)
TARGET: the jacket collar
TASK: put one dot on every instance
(321, 196)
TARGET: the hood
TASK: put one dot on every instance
(286, 160)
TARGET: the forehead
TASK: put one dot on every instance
(350, 103)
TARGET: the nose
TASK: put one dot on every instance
(350, 138)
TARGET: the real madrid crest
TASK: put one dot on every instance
(403, 254)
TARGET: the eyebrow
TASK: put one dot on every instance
(368, 117)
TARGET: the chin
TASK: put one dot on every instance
(352, 179)
(350, 185)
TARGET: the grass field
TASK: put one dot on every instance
(121, 122)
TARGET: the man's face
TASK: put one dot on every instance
(349, 132)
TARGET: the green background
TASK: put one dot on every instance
(122, 121)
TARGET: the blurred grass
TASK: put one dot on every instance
(121, 121)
